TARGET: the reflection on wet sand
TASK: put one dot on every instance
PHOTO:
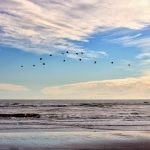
(74, 125)
(111, 140)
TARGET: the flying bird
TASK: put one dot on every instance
(80, 59)
(95, 62)
(129, 65)
(50, 55)
(64, 60)
(77, 53)
(67, 52)
(21, 66)
(43, 64)
(33, 65)
(40, 58)
(82, 53)
(112, 62)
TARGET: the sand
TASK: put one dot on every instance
(105, 140)
(116, 145)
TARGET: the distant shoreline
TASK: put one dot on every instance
(134, 101)
(76, 99)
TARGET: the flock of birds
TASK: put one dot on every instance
(64, 60)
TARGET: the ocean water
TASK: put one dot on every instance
(129, 115)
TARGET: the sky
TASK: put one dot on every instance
(115, 31)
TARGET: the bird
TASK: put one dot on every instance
(129, 65)
(80, 59)
(64, 60)
(40, 58)
(33, 65)
(67, 52)
(77, 53)
(50, 55)
(21, 66)
(95, 62)
(43, 63)
(82, 53)
(112, 62)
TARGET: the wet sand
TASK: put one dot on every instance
(74, 125)
(116, 145)
(105, 140)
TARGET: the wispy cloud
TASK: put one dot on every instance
(144, 55)
(45, 26)
(126, 88)
(12, 88)
(139, 41)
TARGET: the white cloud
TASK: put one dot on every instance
(144, 55)
(50, 25)
(87, 54)
(128, 88)
(135, 41)
(12, 87)
(140, 42)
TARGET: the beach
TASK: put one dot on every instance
(104, 140)
(74, 125)
(74, 74)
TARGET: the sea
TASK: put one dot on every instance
(74, 115)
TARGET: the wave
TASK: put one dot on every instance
(20, 115)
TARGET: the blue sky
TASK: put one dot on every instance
(104, 30)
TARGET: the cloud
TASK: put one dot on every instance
(127, 88)
(139, 41)
(144, 55)
(135, 41)
(45, 26)
(12, 88)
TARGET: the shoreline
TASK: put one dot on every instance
(69, 130)
(103, 140)
(136, 145)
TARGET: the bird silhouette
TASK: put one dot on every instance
(33, 65)
(80, 59)
(67, 52)
(21, 66)
(112, 62)
(77, 53)
(50, 55)
(40, 58)
(129, 65)
(95, 62)
(82, 53)
(43, 64)
(64, 60)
